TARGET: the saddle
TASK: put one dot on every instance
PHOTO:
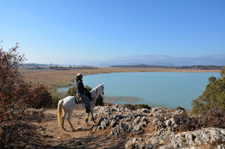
(78, 99)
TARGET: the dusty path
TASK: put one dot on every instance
(120, 127)
(53, 137)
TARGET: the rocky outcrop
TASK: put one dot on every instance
(158, 128)
(212, 137)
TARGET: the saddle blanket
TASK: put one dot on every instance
(79, 100)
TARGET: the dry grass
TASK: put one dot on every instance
(60, 78)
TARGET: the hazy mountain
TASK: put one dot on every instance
(158, 60)
(163, 60)
(34, 65)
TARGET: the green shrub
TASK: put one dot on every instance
(55, 100)
(213, 96)
(144, 106)
(88, 88)
(135, 107)
(131, 107)
(72, 91)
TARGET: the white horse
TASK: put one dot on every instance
(68, 105)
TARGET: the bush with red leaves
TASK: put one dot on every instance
(39, 96)
(213, 118)
(15, 95)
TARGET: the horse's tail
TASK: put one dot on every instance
(59, 112)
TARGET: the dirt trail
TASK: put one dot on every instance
(53, 137)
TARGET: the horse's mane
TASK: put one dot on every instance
(95, 88)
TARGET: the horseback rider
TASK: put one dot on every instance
(81, 91)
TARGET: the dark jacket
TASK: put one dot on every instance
(80, 87)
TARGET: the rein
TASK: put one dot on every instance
(94, 98)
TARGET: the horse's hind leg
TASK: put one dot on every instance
(86, 120)
(63, 119)
(68, 119)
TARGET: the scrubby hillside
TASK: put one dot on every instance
(119, 127)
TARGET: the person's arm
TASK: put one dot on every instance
(81, 86)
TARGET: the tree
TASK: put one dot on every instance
(15, 96)
(212, 79)
(222, 73)
(213, 96)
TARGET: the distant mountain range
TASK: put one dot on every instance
(156, 60)
(34, 65)
(163, 60)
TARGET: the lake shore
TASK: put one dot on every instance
(61, 78)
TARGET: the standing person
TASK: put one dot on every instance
(80, 91)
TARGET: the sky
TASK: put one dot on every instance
(78, 31)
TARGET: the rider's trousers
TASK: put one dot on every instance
(87, 102)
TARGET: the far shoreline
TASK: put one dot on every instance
(126, 69)
(63, 78)
(103, 70)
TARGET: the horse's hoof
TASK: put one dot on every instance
(94, 120)
(73, 130)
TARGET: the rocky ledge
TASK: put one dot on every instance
(156, 128)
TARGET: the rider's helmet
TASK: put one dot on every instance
(80, 74)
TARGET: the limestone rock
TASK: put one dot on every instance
(137, 120)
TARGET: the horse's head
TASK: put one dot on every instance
(98, 90)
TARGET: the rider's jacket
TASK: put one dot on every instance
(80, 87)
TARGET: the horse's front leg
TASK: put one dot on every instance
(86, 120)
(93, 119)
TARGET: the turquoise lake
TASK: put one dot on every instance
(166, 89)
